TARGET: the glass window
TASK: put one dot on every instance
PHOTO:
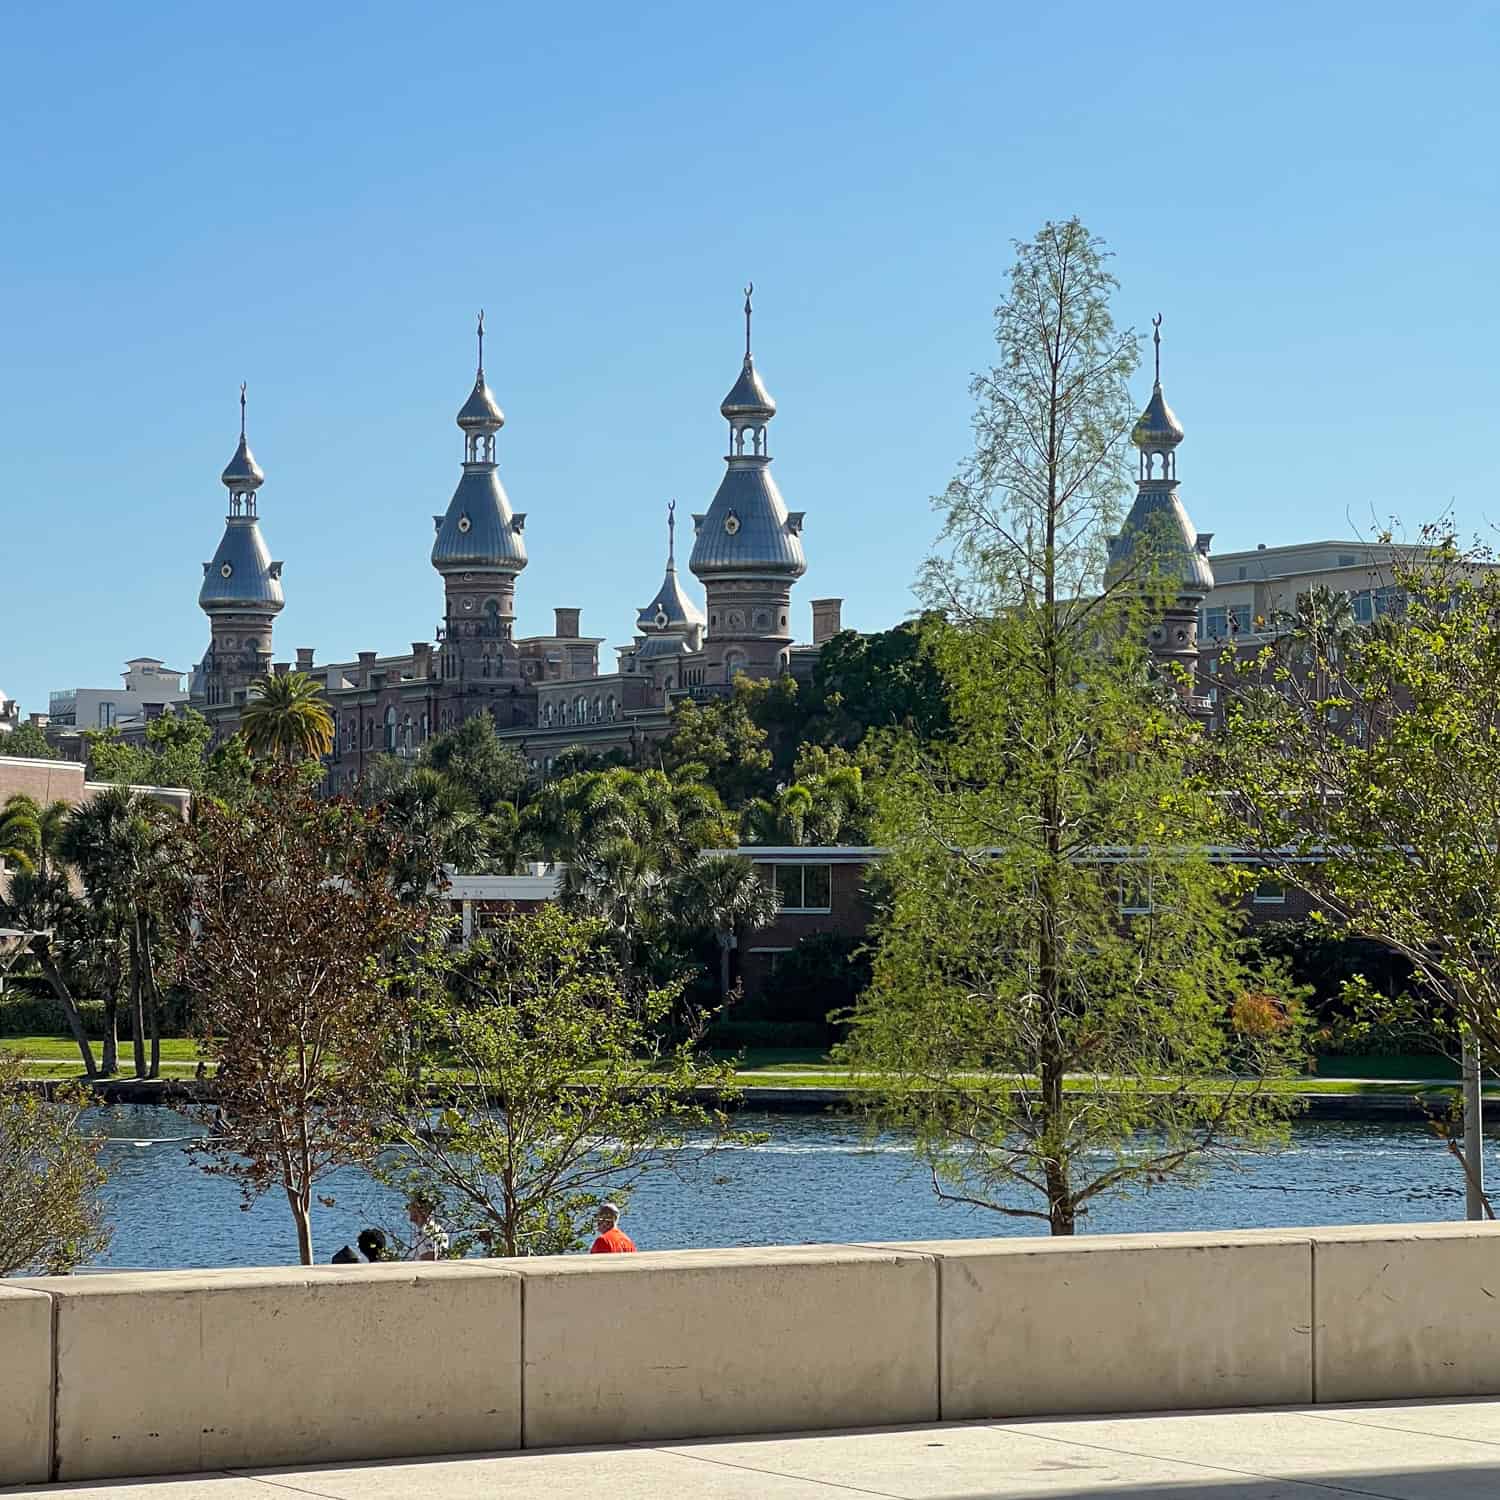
(804, 887)
(1135, 891)
(1347, 559)
(1270, 892)
(1362, 603)
(1389, 601)
(1216, 623)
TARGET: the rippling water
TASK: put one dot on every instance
(818, 1178)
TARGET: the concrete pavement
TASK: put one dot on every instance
(1434, 1450)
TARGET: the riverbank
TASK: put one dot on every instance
(1356, 1099)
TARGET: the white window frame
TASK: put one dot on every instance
(1279, 899)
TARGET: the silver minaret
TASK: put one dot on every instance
(479, 550)
(748, 547)
(241, 593)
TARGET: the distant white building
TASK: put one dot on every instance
(148, 688)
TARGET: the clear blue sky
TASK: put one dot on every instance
(316, 199)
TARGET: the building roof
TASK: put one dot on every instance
(478, 530)
(241, 574)
(748, 528)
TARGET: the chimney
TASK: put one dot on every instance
(421, 652)
(304, 658)
(567, 623)
(282, 668)
(827, 616)
(1204, 538)
(366, 661)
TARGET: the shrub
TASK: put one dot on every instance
(28, 1014)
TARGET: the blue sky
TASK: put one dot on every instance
(316, 199)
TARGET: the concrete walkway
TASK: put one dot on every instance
(1410, 1451)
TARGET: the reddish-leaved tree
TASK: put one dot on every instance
(295, 943)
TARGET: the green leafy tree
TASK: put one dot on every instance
(286, 719)
(1057, 980)
(1364, 767)
(558, 1092)
(475, 760)
(718, 742)
(51, 1214)
(292, 956)
(28, 741)
(724, 894)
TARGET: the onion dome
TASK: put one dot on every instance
(1157, 427)
(479, 531)
(481, 412)
(242, 475)
(1158, 523)
(672, 609)
(749, 397)
(241, 574)
(748, 530)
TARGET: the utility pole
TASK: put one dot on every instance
(1473, 1131)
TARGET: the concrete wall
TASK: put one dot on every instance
(176, 1371)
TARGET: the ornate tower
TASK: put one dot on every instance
(1159, 540)
(671, 609)
(671, 627)
(748, 548)
(241, 593)
(479, 551)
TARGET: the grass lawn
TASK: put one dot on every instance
(808, 1068)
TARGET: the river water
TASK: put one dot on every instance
(817, 1178)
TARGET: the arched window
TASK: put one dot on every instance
(598, 709)
(424, 729)
(734, 664)
(390, 729)
(611, 703)
(547, 714)
(406, 731)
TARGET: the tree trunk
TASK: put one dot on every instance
(109, 1063)
(43, 955)
(302, 1216)
(724, 970)
(137, 1013)
(152, 997)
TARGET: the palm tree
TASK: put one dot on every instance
(437, 825)
(21, 832)
(724, 894)
(40, 904)
(120, 844)
(286, 719)
(814, 811)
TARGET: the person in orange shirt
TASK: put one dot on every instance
(612, 1239)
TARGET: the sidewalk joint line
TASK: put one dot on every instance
(1444, 1437)
(1193, 1463)
(724, 1463)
